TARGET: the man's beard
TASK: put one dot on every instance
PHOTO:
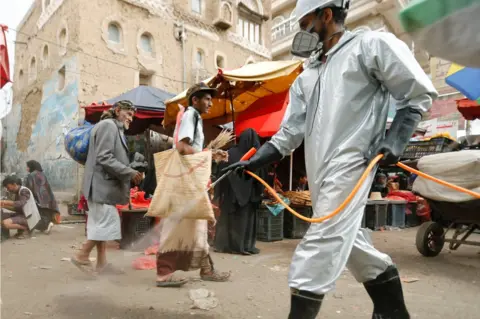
(322, 34)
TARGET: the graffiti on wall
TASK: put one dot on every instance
(58, 112)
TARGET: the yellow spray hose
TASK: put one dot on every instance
(356, 188)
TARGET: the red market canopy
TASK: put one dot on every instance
(264, 116)
(470, 109)
(149, 101)
(142, 120)
(94, 111)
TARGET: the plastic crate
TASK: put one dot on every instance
(419, 149)
(396, 214)
(294, 227)
(411, 217)
(134, 227)
(269, 227)
(376, 214)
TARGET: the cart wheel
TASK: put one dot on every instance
(429, 239)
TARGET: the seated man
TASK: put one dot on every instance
(302, 183)
(21, 213)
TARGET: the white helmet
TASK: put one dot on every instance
(305, 7)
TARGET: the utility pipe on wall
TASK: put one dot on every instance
(184, 60)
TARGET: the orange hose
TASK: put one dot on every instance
(439, 181)
(356, 188)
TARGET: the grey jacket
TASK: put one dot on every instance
(107, 175)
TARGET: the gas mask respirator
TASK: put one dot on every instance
(305, 42)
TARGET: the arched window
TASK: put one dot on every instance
(227, 12)
(45, 55)
(33, 69)
(20, 77)
(250, 60)
(220, 61)
(114, 33)
(254, 5)
(200, 58)
(197, 6)
(146, 42)
(62, 37)
(250, 25)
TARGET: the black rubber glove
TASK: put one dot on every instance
(402, 128)
(265, 155)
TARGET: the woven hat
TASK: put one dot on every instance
(200, 87)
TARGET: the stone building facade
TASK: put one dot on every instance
(71, 53)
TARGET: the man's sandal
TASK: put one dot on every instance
(83, 266)
(216, 276)
(171, 282)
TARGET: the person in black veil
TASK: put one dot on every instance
(238, 198)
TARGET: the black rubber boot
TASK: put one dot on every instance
(304, 305)
(387, 295)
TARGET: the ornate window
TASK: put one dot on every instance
(224, 19)
(249, 30)
(250, 20)
(254, 5)
(226, 11)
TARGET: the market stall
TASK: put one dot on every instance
(239, 89)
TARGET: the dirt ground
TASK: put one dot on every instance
(36, 283)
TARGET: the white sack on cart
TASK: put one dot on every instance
(459, 168)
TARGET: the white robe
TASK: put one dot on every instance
(30, 210)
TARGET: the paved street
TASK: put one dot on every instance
(36, 283)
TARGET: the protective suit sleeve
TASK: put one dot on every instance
(292, 129)
(390, 61)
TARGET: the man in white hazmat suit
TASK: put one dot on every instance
(339, 106)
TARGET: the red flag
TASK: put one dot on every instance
(4, 64)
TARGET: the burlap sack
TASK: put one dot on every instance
(181, 186)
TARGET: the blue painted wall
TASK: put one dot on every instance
(58, 112)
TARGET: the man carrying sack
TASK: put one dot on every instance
(107, 181)
(184, 243)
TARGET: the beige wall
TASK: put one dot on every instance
(31, 41)
(104, 70)
(167, 65)
(96, 69)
